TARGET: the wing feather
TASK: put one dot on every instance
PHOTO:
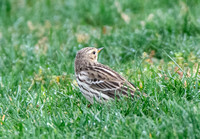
(107, 81)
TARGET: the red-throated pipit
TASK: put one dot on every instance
(97, 81)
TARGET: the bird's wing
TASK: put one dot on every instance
(103, 79)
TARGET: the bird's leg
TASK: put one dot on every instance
(89, 105)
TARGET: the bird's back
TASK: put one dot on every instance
(98, 81)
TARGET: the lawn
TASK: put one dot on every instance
(153, 43)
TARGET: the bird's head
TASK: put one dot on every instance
(88, 53)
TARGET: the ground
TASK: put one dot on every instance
(154, 44)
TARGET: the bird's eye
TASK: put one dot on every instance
(94, 52)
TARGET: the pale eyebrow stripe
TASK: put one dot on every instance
(88, 49)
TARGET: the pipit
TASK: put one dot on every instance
(97, 81)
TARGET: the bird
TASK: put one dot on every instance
(98, 82)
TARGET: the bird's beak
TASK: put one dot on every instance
(99, 50)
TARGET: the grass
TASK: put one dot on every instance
(154, 44)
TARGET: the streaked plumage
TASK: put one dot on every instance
(98, 81)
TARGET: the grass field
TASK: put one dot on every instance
(153, 43)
